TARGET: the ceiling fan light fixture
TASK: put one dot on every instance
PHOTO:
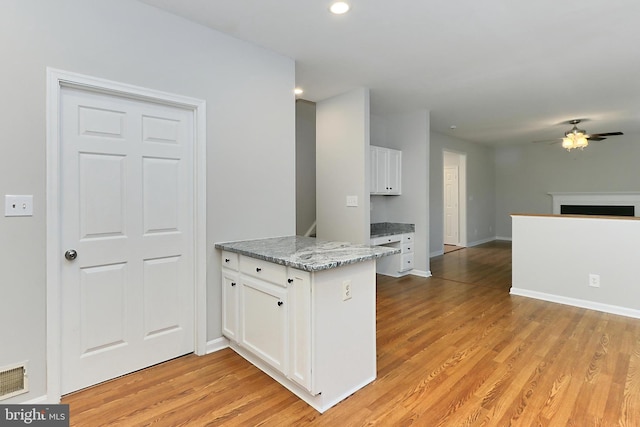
(574, 140)
(339, 7)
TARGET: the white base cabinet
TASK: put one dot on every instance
(298, 327)
(400, 264)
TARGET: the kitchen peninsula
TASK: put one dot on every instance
(303, 311)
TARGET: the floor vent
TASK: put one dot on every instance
(13, 381)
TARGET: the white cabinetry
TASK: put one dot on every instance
(263, 320)
(395, 265)
(266, 309)
(230, 291)
(386, 171)
(290, 323)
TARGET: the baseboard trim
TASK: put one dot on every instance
(420, 273)
(508, 239)
(217, 345)
(575, 302)
(481, 241)
(40, 400)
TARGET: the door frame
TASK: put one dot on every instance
(56, 80)
(462, 195)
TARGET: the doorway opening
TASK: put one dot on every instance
(454, 200)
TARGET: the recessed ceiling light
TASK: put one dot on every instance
(453, 127)
(298, 91)
(339, 7)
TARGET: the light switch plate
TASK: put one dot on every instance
(352, 201)
(18, 205)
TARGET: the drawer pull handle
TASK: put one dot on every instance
(227, 260)
(280, 303)
(233, 283)
(289, 280)
(258, 269)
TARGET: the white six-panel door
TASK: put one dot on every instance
(127, 300)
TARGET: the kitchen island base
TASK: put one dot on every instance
(304, 312)
(329, 339)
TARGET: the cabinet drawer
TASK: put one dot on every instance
(383, 240)
(406, 262)
(230, 260)
(408, 237)
(407, 248)
(264, 270)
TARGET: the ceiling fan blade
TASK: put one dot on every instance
(605, 134)
(550, 141)
(595, 138)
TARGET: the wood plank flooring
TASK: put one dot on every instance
(453, 350)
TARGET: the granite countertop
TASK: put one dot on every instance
(390, 228)
(306, 253)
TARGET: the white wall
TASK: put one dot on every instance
(526, 173)
(342, 167)
(250, 136)
(305, 165)
(480, 191)
(408, 132)
(554, 256)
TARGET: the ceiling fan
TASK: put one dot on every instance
(579, 138)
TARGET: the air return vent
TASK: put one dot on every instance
(13, 380)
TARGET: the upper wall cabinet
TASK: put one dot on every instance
(386, 170)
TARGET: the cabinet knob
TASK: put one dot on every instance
(227, 260)
(280, 303)
(258, 269)
(233, 283)
(289, 280)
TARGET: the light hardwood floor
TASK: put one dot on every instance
(453, 350)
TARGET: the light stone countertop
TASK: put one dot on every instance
(380, 229)
(306, 253)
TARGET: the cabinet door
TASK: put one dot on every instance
(264, 321)
(300, 327)
(373, 173)
(230, 304)
(382, 162)
(394, 171)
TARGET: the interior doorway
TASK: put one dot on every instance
(454, 199)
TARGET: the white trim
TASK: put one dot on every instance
(420, 273)
(40, 400)
(481, 241)
(508, 239)
(56, 79)
(217, 345)
(436, 253)
(612, 198)
(575, 302)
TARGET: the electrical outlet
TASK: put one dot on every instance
(594, 280)
(346, 290)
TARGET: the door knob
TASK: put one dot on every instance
(71, 254)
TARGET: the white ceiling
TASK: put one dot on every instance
(502, 71)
